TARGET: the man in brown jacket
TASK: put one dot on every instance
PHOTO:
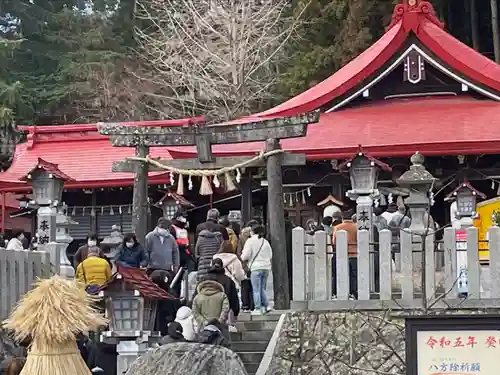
(83, 251)
(352, 240)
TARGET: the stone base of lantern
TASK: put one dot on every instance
(59, 260)
(128, 352)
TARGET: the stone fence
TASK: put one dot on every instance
(390, 275)
(19, 270)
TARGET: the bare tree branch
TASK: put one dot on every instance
(216, 58)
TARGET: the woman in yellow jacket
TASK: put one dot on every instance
(94, 271)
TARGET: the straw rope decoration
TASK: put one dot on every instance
(205, 188)
(51, 315)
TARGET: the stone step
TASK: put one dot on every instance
(251, 367)
(251, 357)
(249, 346)
(251, 336)
(273, 316)
(256, 326)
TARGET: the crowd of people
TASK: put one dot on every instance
(231, 268)
(393, 218)
(230, 265)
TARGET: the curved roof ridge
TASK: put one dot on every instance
(409, 16)
(343, 79)
(76, 128)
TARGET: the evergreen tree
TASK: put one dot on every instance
(73, 60)
(333, 33)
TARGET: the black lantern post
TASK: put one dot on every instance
(47, 181)
(363, 172)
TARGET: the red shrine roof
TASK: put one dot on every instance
(48, 167)
(80, 153)
(419, 20)
(397, 127)
(138, 279)
(392, 127)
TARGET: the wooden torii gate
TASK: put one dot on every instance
(203, 137)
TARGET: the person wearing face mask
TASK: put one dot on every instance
(180, 233)
(131, 253)
(16, 242)
(162, 249)
(83, 251)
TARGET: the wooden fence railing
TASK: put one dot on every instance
(322, 272)
(18, 272)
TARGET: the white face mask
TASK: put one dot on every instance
(91, 242)
(130, 244)
(162, 231)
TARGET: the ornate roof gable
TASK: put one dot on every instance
(415, 38)
(411, 12)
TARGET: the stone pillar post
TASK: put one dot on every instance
(46, 226)
(364, 213)
(63, 239)
(276, 222)
(128, 352)
(419, 182)
(140, 196)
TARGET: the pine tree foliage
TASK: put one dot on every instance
(74, 60)
(332, 34)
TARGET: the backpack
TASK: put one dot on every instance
(211, 337)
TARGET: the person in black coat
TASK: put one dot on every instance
(166, 309)
(174, 334)
(131, 253)
(212, 224)
(218, 274)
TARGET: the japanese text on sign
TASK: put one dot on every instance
(461, 342)
(458, 352)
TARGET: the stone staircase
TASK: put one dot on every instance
(252, 338)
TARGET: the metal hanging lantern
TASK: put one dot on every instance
(466, 196)
(171, 203)
(466, 202)
(363, 174)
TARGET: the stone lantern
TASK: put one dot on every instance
(63, 239)
(131, 301)
(363, 172)
(47, 181)
(419, 183)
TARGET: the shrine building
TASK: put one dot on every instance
(417, 88)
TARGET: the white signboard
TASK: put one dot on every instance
(458, 352)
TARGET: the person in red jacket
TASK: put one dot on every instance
(180, 233)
